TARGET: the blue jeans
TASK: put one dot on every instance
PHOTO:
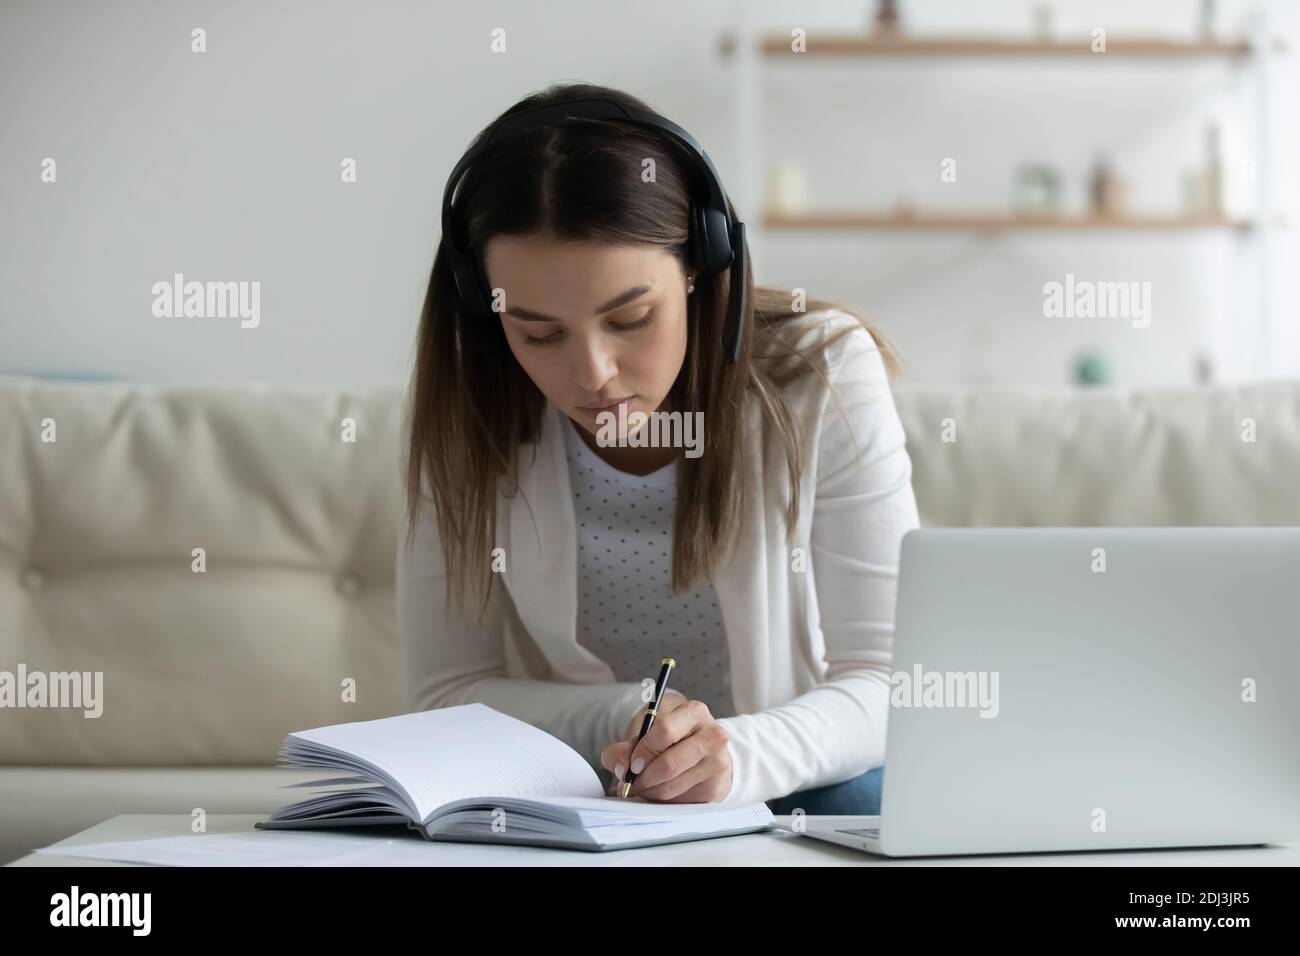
(860, 795)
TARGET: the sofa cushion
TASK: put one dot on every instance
(1045, 456)
(291, 613)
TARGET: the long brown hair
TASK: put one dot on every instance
(472, 405)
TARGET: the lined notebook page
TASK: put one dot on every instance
(454, 753)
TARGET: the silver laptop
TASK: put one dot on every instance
(1089, 689)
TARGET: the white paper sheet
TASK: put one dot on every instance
(262, 848)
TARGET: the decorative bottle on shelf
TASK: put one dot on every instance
(1213, 183)
(1106, 191)
(1207, 20)
(787, 188)
(886, 22)
(1036, 190)
(1043, 22)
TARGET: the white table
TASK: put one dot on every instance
(770, 848)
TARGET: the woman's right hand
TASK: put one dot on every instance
(617, 752)
(672, 700)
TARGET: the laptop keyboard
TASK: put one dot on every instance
(873, 832)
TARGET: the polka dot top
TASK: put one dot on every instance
(628, 615)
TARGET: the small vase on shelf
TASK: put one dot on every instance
(886, 23)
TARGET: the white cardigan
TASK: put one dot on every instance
(809, 631)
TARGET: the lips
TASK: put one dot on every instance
(611, 407)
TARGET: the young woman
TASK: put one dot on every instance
(547, 570)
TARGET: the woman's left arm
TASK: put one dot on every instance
(864, 505)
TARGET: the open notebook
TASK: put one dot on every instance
(471, 773)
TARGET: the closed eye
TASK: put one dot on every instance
(554, 336)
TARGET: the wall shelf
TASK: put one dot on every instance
(912, 222)
(758, 54)
(866, 45)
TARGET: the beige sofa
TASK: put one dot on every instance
(204, 672)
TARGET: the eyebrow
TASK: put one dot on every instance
(623, 298)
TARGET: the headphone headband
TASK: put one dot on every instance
(716, 238)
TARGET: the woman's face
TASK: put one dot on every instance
(592, 323)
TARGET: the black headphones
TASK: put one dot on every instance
(716, 241)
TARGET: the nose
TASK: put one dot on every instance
(594, 364)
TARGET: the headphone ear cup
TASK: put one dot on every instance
(714, 241)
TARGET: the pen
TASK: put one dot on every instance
(648, 721)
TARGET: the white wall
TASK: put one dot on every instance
(225, 166)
